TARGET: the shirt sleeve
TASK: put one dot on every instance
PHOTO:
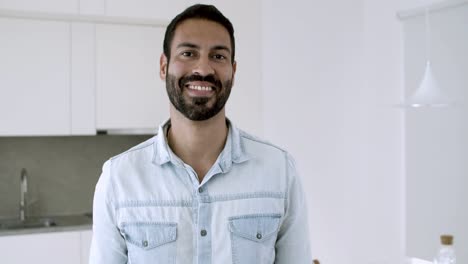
(293, 243)
(108, 245)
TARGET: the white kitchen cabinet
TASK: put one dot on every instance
(129, 91)
(46, 248)
(62, 6)
(47, 78)
(34, 77)
(83, 76)
(71, 78)
(85, 244)
(156, 9)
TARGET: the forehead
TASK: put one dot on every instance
(201, 32)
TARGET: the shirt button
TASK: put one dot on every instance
(259, 236)
(145, 243)
(200, 190)
(203, 233)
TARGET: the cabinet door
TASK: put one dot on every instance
(83, 79)
(34, 77)
(86, 237)
(65, 6)
(130, 94)
(49, 248)
(156, 9)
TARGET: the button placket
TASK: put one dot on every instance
(204, 224)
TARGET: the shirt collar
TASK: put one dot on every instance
(233, 152)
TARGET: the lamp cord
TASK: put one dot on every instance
(428, 35)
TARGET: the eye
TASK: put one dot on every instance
(187, 54)
(219, 57)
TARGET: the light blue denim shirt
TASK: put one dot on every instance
(149, 207)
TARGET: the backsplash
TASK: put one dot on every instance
(62, 171)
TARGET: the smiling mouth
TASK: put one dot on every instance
(199, 88)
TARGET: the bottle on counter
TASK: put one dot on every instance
(446, 253)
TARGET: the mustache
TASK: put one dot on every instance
(208, 78)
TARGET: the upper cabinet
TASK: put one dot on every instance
(55, 6)
(34, 77)
(83, 76)
(130, 93)
(155, 9)
(46, 78)
(87, 65)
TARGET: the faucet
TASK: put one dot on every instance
(23, 193)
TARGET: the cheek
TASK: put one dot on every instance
(228, 74)
(178, 68)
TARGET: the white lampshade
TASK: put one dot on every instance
(428, 93)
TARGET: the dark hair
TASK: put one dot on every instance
(199, 11)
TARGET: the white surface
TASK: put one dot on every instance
(48, 248)
(34, 77)
(130, 93)
(83, 80)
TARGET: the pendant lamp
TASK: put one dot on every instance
(428, 94)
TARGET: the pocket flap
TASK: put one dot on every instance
(255, 227)
(149, 235)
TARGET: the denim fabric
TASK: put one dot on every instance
(148, 242)
(149, 207)
(253, 238)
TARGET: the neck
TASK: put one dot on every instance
(197, 143)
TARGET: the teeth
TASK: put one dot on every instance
(200, 88)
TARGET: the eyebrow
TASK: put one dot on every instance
(187, 45)
(222, 47)
(191, 45)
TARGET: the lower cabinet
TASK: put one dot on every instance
(46, 248)
(85, 241)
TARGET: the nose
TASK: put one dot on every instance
(203, 67)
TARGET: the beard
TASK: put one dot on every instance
(198, 108)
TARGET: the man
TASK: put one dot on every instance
(200, 191)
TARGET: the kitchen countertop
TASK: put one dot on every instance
(63, 223)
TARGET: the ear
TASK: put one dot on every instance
(234, 67)
(163, 67)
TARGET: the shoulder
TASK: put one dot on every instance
(254, 143)
(142, 151)
(262, 149)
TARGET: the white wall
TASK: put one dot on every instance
(331, 71)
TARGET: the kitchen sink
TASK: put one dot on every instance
(45, 222)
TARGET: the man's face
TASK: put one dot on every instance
(199, 73)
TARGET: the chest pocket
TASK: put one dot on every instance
(150, 242)
(253, 238)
